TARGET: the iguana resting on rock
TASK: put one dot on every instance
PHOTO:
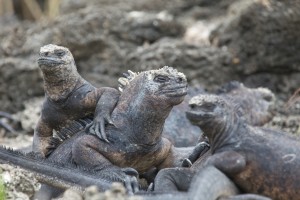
(255, 104)
(136, 137)
(68, 97)
(257, 160)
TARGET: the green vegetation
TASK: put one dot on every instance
(2, 189)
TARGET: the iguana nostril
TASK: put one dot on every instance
(179, 80)
(46, 53)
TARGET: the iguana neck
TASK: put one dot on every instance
(144, 116)
(58, 88)
(226, 133)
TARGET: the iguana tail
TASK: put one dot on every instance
(55, 174)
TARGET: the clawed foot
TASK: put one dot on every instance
(127, 176)
(186, 163)
(198, 151)
(131, 182)
(97, 127)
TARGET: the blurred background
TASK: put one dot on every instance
(212, 42)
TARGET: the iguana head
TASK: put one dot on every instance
(210, 112)
(59, 70)
(162, 85)
(257, 105)
(53, 59)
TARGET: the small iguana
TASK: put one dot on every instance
(255, 104)
(68, 97)
(258, 160)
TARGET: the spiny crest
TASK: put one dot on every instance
(129, 76)
(125, 81)
(6, 152)
(166, 70)
(67, 132)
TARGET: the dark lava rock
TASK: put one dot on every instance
(207, 66)
(264, 37)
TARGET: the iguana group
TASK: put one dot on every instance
(136, 137)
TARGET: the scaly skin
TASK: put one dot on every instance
(68, 97)
(258, 160)
(256, 105)
(136, 137)
(56, 174)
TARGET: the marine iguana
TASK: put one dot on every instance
(68, 97)
(136, 136)
(255, 104)
(136, 139)
(258, 160)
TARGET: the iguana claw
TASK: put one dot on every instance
(131, 182)
(198, 151)
(97, 127)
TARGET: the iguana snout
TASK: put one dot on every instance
(206, 109)
(53, 55)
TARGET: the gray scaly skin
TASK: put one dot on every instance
(68, 97)
(136, 137)
(256, 105)
(50, 172)
(139, 116)
(258, 160)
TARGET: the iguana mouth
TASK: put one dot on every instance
(197, 116)
(175, 92)
(48, 61)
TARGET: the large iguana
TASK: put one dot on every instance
(68, 97)
(258, 160)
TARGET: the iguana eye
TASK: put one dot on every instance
(209, 106)
(161, 79)
(60, 53)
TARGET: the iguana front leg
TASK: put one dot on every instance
(107, 100)
(88, 151)
(42, 136)
(229, 162)
(199, 150)
(177, 156)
